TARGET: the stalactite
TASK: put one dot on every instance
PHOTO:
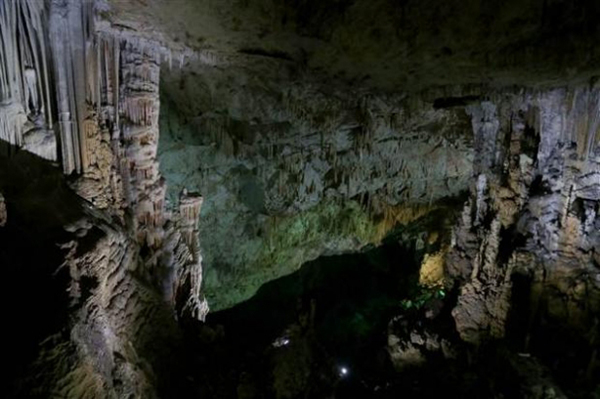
(108, 126)
(24, 84)
(108, 130)
(138, 110)
(480, 205)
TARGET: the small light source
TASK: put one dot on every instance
(343, 371)
(281, 341)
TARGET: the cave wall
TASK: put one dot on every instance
(533, 211)
(272, 158)
(290, 172)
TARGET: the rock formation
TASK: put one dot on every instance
(541, 199)
(308, 175)
(104, 88)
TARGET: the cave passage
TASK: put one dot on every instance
(311, 331)
(320, 331)
(327, 331)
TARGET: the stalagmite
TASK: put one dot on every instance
(189, 211)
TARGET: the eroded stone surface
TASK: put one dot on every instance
(532, 208)
(290, 173)
(123, 244)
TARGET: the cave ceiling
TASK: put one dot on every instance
(390, 45)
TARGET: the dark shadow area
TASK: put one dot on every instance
(451, 102)
(567, 346)
(310, 331)
(34, 296)
(361, 326)
(326, 332)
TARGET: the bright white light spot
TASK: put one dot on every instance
(281, 341)
(344, 371)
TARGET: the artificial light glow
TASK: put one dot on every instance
(281, 341)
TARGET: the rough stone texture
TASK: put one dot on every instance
(120, 320)
(409, 348)
(105, 91)
(533, 208)
(291, 172)
(536, 383)
(113, 317)
(385, 44)
(432, 271)
(25, 117)
(189, 212)
(124, 249)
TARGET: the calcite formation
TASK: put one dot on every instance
(107, 104)
(25, 114)
(316, 173)
(433, 269)
(410, 347)
(533, 208)
(104, 88)
(189, 210)
(380, 153)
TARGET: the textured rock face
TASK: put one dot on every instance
(533, 210)
(111, 316)
(106, 98)
(121, 319)
(412, 350)
(128, 260)
(287, 166)
(291, 173)
(387, 44)
(25, 84)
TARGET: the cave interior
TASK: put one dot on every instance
(300, 198)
